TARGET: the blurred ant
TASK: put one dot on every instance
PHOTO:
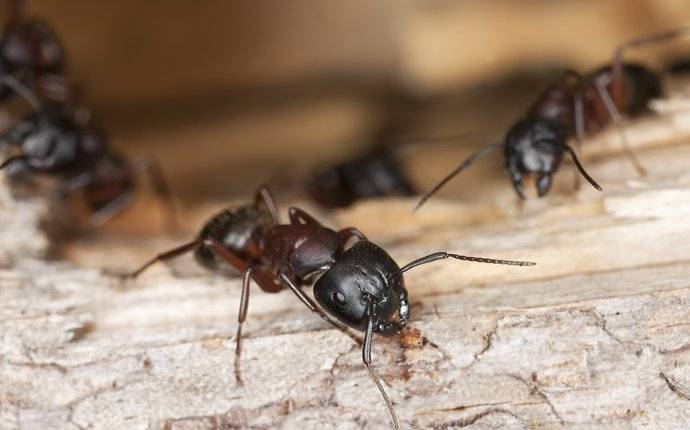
(573, 106)
(377, 173)
(31, 52)
(357, 286)
(53, 141)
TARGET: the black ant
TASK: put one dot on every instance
(31, 52)
(377, 173)
(358, 286)
(575, 105)
(54, 141)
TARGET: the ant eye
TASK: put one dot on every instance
(339, 298)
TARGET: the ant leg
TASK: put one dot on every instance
(160, 187)
(263, 279)
(298, 216)
(165, 256)
(263, 194)
(111, 209)
(23, 91)
(308, 302)
(241, 317)
(515, 177)
(366, 358)
(618, 121)
(348, 233)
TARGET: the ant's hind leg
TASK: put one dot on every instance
(165, 256)
(618, 121)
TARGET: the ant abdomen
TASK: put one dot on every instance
(237, 229)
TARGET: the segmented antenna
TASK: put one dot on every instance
(471, 159)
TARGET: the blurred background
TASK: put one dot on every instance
(228, 94)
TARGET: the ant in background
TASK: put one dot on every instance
(573, 106)
(377, 172)
(31, 52)
(53, 140)
(356, 285)
(58, 138)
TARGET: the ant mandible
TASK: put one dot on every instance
(575, 105)
(52, 140)
(358, 286)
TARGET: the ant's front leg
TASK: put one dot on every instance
(165, 256)
(160, 188)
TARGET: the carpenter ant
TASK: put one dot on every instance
(51, 140)
(31, 52)
(575, 105)
(374, 174)
(358, 286)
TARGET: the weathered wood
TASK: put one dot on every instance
(596, 336)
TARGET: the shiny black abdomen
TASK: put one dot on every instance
(239, 230)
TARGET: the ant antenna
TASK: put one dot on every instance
(582, 170)
(22, 90)
(471, 159)
(366, 358)
(443, 255)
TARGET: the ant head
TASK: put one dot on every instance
(535, 145)
(48, 139)
(364, 273)
(31, 44)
